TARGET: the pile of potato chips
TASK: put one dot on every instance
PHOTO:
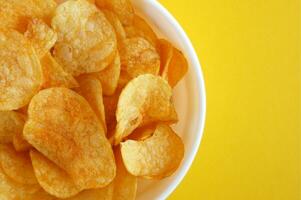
(85, 100)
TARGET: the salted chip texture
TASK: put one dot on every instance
(65, 129)
(140, 28)
(51, 178)
(165, 49)
(122, 8)
(91, 89)
(105, 193)
(117, 25)
(139, 57)
(145, 99)
(11, 123)
(10, 189)
(41, 36)
(19, 143)
(17, 165)
(86, 40)
(20, 71)
(125, 184)
(16, 14)
(54, 74)
(109, 77)
(156, 157)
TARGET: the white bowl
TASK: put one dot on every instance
(189, 96)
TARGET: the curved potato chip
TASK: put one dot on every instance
(125, 184)
(41, 36)
(123, 9)
(11, 190)
(54, 75)
(16, 14)
(165, 50)
(138, 57)
(86, 40)
(117, 25)
(91, 89)
(146, 99)
(158, 156)
(140, 28)
(64, 128)
(105, 193)
(52, 179)
(17, 165)
(109, 76)
(20, 144)
(11, 123)
(142, 133)
(176, 69)
(20, 72)
(41, 195)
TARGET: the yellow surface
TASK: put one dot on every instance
(251, 58)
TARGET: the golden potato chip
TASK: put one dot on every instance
(145, 99)
(140, 28)
(165, 50)
(143, 133)
(11, 190)
(117, 25)
(176, 69)
(20, 144)
(158, 156)
(86, 40)
(20, 72)
(51, 178)
(11, 123)
(62, 1)
(123, 9)
(125, 184)
(109, 76)
(41, 36)
(105, 193)
(16, 14)
(65, 129)
(138, 57)
(17, 165)
(41, 195)
(91, 89)
(54, 75)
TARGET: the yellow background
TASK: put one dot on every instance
(251, 57)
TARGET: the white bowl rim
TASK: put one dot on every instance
(201, 86)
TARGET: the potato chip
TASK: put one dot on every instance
(125, 184)
(105, 193)
(124, 78)
(117, 25)
(20, 144)
(62, 1)
(86, 40)
(158, 156)
(146, 99)
(165, 50)
(64, 128)
(143, 133)
(52, 179)
(20, 72)
(16, 14)
(54, 75)
(41, 36)
(140, 28)
(11, 123)
(176, 69)
(17, 165)
(138, 57)
(11, 190)
(91, 89)
(109, 76)
(41, 195)
(123, 9)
